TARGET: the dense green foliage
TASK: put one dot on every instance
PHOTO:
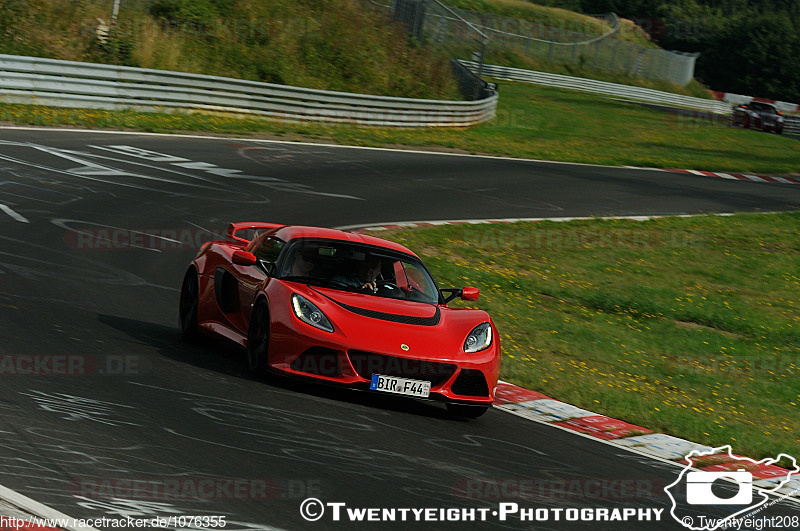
(747, 46)
(346, 45)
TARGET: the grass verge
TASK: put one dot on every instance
(532, 122)
(689, 326)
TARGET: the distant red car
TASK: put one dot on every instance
(758, 115)
(345, 308)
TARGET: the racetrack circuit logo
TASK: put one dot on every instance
(727, 487)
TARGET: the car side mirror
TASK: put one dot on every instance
(470, 294)
(243, 258)
(466, 294)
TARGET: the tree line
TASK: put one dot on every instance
(749, 47)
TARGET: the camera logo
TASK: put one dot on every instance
(728, 488)
(698, 488)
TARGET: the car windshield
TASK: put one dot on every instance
(358, 268)
(762, 107)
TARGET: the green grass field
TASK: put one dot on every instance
(532, 122)
(689, 326)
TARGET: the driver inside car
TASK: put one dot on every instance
(364, 275)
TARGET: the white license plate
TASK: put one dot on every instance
(400, 386)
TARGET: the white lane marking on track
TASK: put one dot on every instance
(68, 172)
(89, 168)
(273, 183)
(64, 224)
(158, 168)
(312, 192)
(76, 408)
(14, 215)
(316, 144)
(218, 236)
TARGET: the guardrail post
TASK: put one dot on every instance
(614, 56)
(479, 74)
(631, 59)
(575, 49)
(114, 13)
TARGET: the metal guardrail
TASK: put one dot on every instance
(33, 80)
(602, 87)
(791, 124)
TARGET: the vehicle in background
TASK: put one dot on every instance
(758, 115)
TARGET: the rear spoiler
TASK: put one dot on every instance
(233, 228)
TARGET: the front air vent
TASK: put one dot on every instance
(471, 382)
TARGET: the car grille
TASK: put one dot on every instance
(318, 360)
(471, 382)
(367, 363)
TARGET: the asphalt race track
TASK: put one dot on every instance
(98, 392)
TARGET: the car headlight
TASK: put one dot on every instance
(308, 312)
(479, 339)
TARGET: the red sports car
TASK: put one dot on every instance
(345, 308)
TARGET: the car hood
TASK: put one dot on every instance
(408, 312)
